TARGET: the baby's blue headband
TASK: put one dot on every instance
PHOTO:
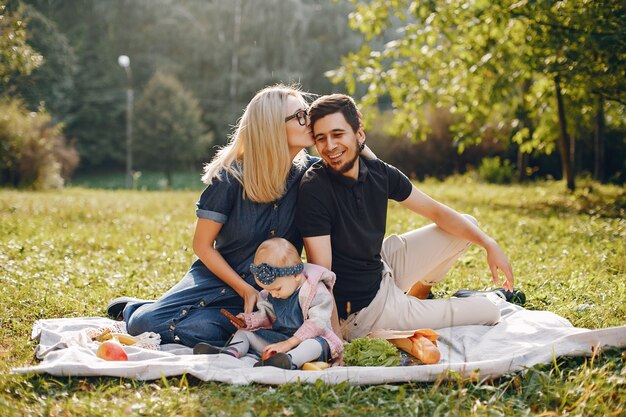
(266, 274)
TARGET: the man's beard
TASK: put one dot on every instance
(348, 165)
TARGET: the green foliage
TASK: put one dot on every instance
(453, 56)
(52, 83)
(65, 254)
(491, 64)
(194, 40)
(169, 132)
(33, 152)
(365, 351)
(583, 42)
(16, 55)
(496, 171)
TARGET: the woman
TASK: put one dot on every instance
(252, 186)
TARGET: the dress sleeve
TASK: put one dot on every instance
(218, 198)
(399, 184)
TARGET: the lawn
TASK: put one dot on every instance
(65, 254)
(142, 180)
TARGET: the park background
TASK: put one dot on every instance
(512, 111)
(511, 90)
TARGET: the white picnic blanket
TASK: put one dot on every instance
(522, 338)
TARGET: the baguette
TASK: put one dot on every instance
(420, 347)
(315, 366)
(425, 350)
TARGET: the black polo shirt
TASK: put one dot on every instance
(354, 214)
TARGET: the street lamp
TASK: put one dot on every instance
(124, 62)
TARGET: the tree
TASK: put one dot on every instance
(169, 130)
(52, 83)
(97, 103)
(578, 45)
(195, 41)
(482, 60)
(433, 56)
(32, 148)
(584, 42)
(33, 152)
(17, 57)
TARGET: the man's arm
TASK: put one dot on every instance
(319, 251)
(456, 224)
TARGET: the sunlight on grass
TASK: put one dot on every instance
(66, 254)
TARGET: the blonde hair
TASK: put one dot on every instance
(277, 252)
(257, 154)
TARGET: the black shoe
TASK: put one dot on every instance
(514, 297)
(203, 348)
(279, 360)
(116, 306)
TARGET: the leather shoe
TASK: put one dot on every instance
(116, 306)
(203, 348)
(279, 360)
(514, 297)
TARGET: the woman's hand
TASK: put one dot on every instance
(367, 153)
(250, 296)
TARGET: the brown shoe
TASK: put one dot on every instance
(420, 290)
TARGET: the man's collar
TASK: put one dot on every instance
(347, 181)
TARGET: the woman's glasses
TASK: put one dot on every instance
(301, 115)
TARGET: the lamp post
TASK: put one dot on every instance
(124, 62)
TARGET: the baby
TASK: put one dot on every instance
(292, 324)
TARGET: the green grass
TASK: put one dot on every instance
(143, 180)
(65, 254)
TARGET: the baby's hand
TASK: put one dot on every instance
(241, 319)
(275, 348)
(268, 352)
(238, 321)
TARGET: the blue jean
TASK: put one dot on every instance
(189, 312)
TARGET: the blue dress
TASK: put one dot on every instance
(189, 312)
(289, 319)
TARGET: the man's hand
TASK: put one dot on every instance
(497, 260)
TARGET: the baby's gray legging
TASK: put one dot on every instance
(244, 340)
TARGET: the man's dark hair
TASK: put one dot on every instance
(335, 103)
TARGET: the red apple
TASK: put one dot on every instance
(111, 351)
(267, 354)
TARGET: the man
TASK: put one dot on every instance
(341, 213)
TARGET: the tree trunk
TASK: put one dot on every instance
(234, 63)
(564, 140)
(522, 165)
(168, 176)
(598, 171)
(525, 122)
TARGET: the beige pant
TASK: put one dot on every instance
(426, 255)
